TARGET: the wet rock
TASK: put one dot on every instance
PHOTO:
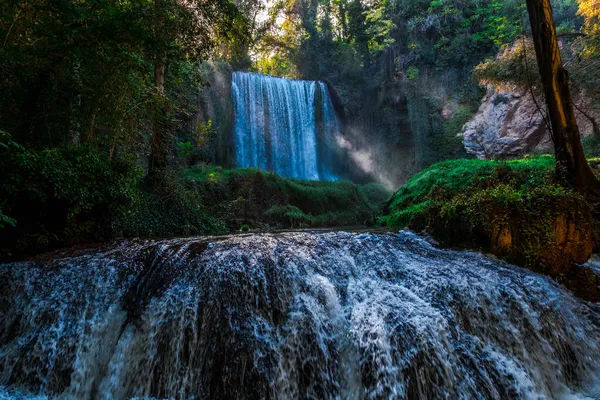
(584, 281)
(570, 242)
(294, 315)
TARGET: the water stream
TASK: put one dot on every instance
(292, 315)
(285, 126)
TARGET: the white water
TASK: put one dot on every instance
(276, 128)
(295, 315)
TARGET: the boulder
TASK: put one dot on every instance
(571, 242)
(508, 125)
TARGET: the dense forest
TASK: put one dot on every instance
(116, 115)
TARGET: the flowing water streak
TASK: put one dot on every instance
(276, 127)
(331, 134)
(294, 315)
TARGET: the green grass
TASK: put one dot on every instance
(445, 179)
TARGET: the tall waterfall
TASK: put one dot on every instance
(279, 128)
(291, 316)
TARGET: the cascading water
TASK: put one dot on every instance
(294, 315)
(276, 126)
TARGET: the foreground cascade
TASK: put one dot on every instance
(294, 315)
(285, 126)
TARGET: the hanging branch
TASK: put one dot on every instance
(530, 87)
(595, 125)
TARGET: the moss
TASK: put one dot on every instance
(523, 225)
(266, 200)
(442, 181)
(512, 209)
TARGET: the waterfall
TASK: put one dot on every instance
(276, 127)
(291, 315)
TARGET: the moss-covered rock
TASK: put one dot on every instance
(511, 209)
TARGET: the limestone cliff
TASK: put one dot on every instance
(508, 124)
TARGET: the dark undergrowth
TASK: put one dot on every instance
(60, 197)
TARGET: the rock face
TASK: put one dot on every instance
(572, 244)
(547, 233)
(508, 124)
(215, 104)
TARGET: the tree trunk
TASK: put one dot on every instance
(158, 155)
(571, 166)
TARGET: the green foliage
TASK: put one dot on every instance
(175, 210)
(412, 73)
(58, 196)
(5, 219)
(473, 203)
(185, 149)
(380, 27)
(245, 228)
(514, 66)
(196, 146)
(83, 71)
(498, 26)
(529, 212)
(204, 133)
(446, 179)
(260, 199)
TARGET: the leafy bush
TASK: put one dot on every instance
(169, 208)
(59, 196)
(157, 215)
(444, 180)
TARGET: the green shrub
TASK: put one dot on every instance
(155, 215)
(245, 228)
(59, 196)
(443, 180)
(168, 209)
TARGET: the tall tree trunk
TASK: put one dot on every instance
(571, 165)
(158, 155)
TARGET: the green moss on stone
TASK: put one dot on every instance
(513, 209)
